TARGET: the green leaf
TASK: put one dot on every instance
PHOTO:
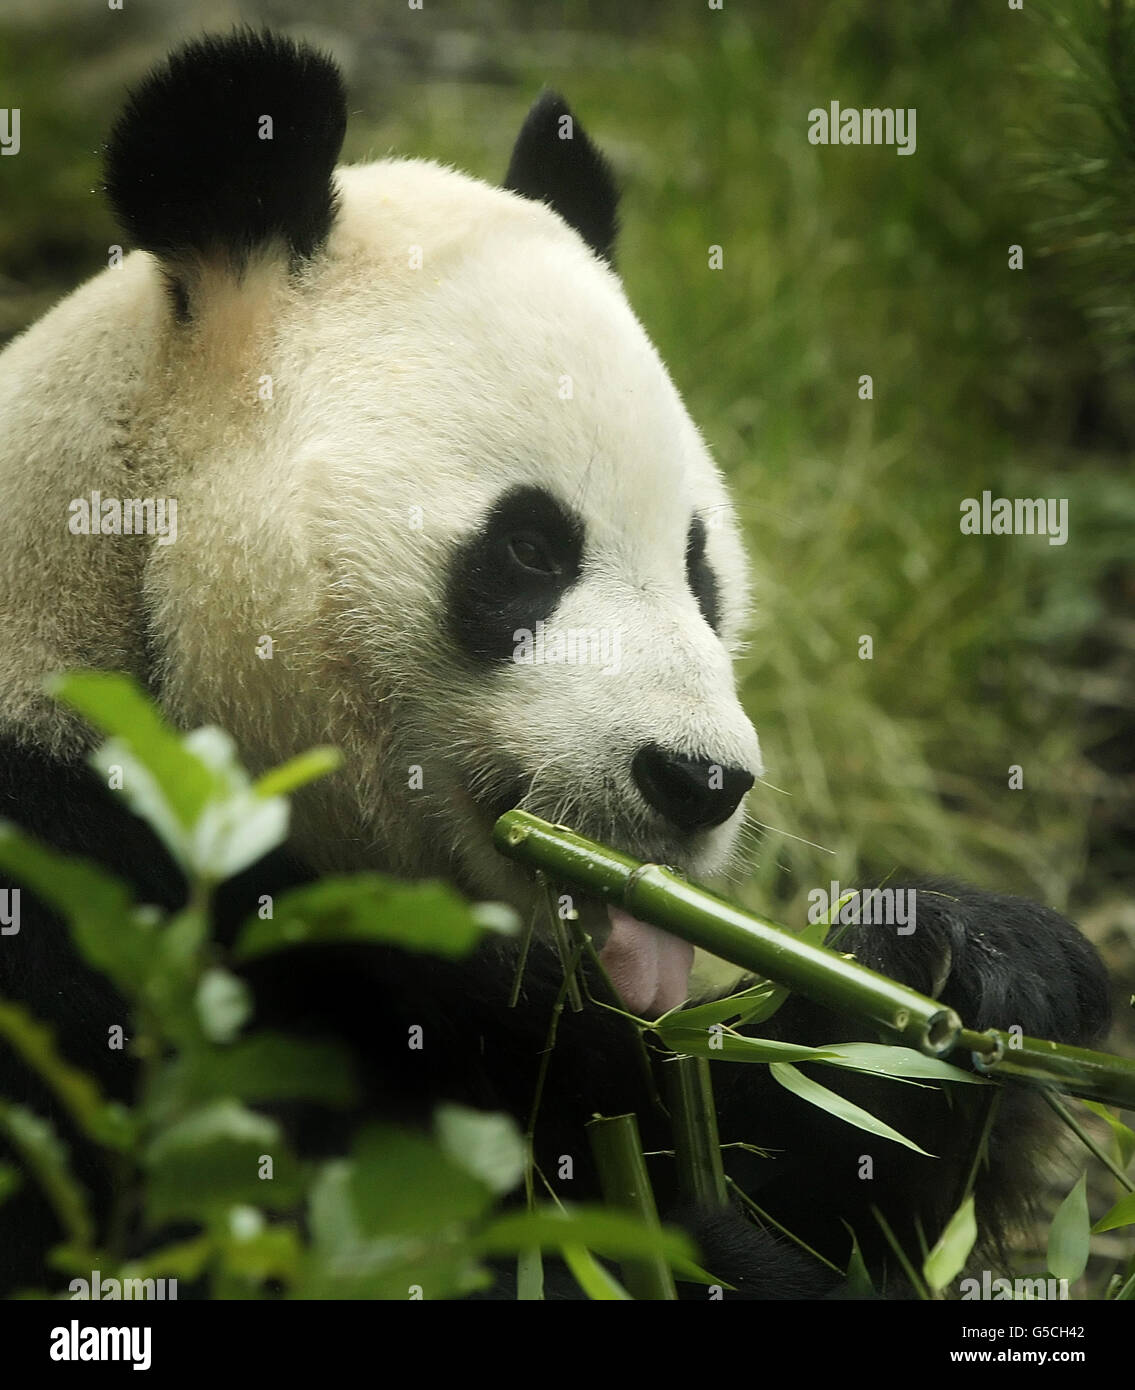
(45, 1155)
(298, 772)
(404, 1184)
(952, 1248)
(733, 1047)
(180, 944)
(238, 825)
(371, 907)
(117, 706)
(1122, 1214)
(185, 1259)
(106, 1122)
(899, 1063)
(1069, 1237)
(859, 1282)
(330, 1211)
(262, 1067)
(816, 933)
(191, 789)
(1124, 1136)
(252, 1249)
(223, 1004)
(10, 1181)
(344, 1263)
(766, 1003)
(211, 1160)
(811, 1091)
(752, 1005)
(110, 932)
(529, 1276)
(607, 1232)
(592, 1278)
(487, 1145)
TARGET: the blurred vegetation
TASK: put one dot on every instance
(208, 1188)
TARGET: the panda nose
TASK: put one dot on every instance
(692, 793)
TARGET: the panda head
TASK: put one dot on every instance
(495, 559)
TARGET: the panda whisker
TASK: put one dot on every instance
(772, 786)
(776, 830)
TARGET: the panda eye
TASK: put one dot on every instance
(530, 552)
(699, 575)
(512, 572)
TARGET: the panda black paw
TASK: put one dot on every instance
(1000, 961)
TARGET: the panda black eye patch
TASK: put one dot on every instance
(512, 572)
(699, 575)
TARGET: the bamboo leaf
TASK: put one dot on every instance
(592, 1278)
(859, 1282)
(610, 1233)
(752, 1005)
(816, 933)
(811, 1091)
(725, 1046)
(1122, 1214)
(952, 1248)
(900, 1063)
(1069, 1237)
(1123, 1134)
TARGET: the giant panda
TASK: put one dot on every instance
(468, 434)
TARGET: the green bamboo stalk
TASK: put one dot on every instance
(564, 947)
(1076, 1070)
(662, 897)
(697, 1148)
(622, 1174)
(1060, 1109)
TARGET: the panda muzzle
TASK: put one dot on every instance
(649, 967)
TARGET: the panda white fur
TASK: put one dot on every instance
(468, 434)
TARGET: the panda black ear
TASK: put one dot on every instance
(554, 162)
(228, 146)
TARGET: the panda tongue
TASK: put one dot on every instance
(649, 967)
